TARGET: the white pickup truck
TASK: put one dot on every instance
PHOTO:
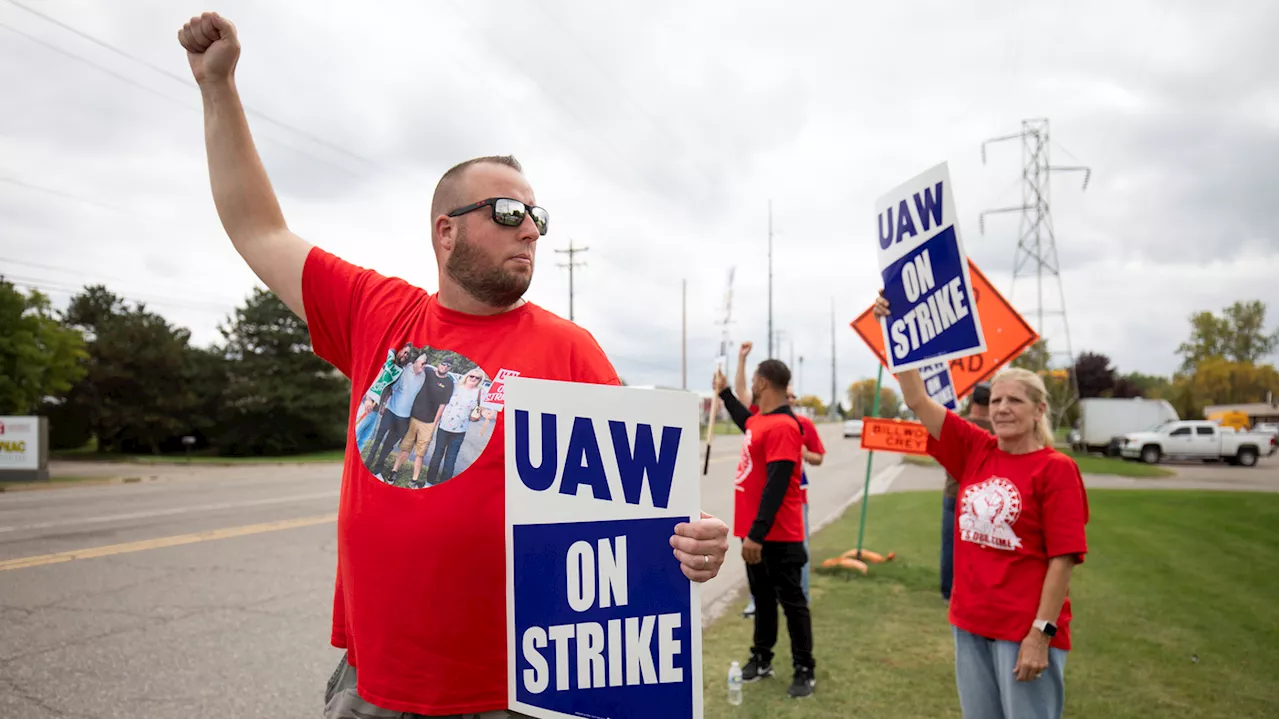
(1192, 439)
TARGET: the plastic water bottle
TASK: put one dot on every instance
(735, 684)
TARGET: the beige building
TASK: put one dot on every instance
(1257, 411)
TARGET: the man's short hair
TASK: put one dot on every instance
(775, 373)
(446, 196)
(982, 394)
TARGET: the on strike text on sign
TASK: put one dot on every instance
(1007, 335)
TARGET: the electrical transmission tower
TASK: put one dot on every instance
(572, 263)
(1037, 255)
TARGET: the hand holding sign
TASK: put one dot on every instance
(700, 546)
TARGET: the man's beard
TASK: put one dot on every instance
(491, 284)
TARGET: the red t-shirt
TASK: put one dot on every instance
(813, 443)
(420, 595)
(1014, 512)
(769, 438)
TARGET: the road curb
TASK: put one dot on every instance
(733, 595)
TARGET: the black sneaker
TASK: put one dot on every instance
(802, 684)
(755, 669)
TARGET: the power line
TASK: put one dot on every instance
(66, 195)
(92, 276)
(134, 83)
(72, 290)
(187, 82)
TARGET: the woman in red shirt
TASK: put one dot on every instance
(1019, 529)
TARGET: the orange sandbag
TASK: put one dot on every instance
(830, 563)
(865, 555)
(851, 563)
(890, 556)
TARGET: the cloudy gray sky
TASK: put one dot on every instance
(656, 134)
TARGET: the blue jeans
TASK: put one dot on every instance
(448, 444)
(948, 544)
(988, 688)
(364, 430)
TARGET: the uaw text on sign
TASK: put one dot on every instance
(926, 275)
(601, 621)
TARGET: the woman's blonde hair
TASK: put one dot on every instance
(1037, 393)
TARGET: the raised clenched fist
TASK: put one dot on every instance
(212, 47)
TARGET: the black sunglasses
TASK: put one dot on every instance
(509, 212)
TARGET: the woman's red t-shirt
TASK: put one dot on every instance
(1014, 512)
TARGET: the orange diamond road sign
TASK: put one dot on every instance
(1006, 332)
(894, 435)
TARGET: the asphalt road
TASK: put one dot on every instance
(206, 591)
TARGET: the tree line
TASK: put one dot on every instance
(111, 372)
(1222, 363)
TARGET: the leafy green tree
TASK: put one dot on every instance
(1034, 358)
(134, 396)
(862, 396)
(39, 357)
(280, 398)
(1238, 335)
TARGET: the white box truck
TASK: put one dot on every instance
(1104, 421)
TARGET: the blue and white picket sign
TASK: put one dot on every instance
(938, 385)
(601, 622)
(926, 275)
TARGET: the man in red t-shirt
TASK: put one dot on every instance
(769, 519)
(425, 642)
(812, 453)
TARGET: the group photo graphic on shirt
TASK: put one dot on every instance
(426, 417)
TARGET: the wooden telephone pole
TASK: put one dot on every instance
(571, 264)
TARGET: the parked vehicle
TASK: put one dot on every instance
(852, 428)
(1197, 439)
(1104, 421)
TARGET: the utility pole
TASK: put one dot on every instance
(800, 378)
(834, 397)
(1037, 251)
(571, 264)
(770, 280)
(684, 334)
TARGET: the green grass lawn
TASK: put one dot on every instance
(1175, 615)
(1088, 463)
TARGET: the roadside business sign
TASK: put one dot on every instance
(895, 435)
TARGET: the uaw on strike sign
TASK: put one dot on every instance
(601, 622)
(926, 275)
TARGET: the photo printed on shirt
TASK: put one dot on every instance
(426, 417)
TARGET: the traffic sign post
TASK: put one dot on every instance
(1007, 336)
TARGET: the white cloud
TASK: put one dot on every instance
(690, 117)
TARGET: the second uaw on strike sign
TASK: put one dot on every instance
(926, 275)
(601, 622)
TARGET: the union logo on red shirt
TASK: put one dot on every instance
(987, 513)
